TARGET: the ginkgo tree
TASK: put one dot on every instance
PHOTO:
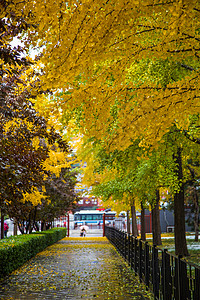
(101, 42)
(32, 149)
(134, 175)
(94, 52)
(90, 50)
(121, 180)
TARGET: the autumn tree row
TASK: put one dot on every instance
(37, 182)
(138, 179)
(125, 75)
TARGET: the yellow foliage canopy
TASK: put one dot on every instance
(35, 197)
(89, 48)
(92, 45)
(56, 161)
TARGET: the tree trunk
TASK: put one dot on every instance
(43, 226)
(15, 227)
(143, 229)
(2, 224)
(134, 221)
(179, 212)
(21, 227)
(196, 205)
(156, 229)
(35, 225)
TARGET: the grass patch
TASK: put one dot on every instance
(169, 244)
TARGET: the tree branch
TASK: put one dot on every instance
(191, 138)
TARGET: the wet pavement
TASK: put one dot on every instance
(74, 268)
(90, 233)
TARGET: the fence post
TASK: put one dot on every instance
(140, 260)
(103, 224)
(197, 285)
(135, 254)
(68, 224)
(125, 244)
(155, 272)
(128, 222)
(183, 282)
(131, 252)
(179, 277)
(146, 263)
(166, 276)
(116, 238)
(119, 238)
(129, 246)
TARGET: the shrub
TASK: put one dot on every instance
(16, 250)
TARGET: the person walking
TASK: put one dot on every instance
(84, 229)
(6, 227)
(83, 232)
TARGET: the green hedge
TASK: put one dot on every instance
(16, 250)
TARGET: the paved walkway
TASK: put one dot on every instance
(90, 233)
(74, 268)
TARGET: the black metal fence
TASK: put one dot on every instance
(167, 276)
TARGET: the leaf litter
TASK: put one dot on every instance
(75, 268)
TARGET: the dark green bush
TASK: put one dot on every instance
(16, 250)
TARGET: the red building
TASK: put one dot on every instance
(88, 203)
